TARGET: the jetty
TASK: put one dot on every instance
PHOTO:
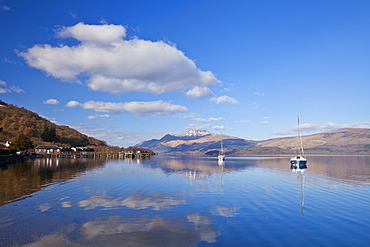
(119, 155)
(54, 151)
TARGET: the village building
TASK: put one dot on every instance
(4, 144)
(82, 149)
(47, 149)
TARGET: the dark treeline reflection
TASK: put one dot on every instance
(20, 180)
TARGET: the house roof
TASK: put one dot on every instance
(47, 147)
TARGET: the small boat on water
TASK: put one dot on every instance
(221, 154)
(299, 161)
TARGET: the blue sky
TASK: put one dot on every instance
(129, 71)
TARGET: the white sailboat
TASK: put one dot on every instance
(221, 154)
(299, 161)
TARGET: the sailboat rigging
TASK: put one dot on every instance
(221, 154)
(299, 161)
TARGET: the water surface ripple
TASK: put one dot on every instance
(186, 201)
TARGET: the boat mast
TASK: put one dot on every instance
(300, 138)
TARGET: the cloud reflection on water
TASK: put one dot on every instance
(136, 201)
(144, 230)
(225, 211)
(138, 231)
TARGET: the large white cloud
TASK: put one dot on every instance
(115, 65)
(155, 108)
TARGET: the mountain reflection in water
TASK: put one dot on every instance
(185, 201)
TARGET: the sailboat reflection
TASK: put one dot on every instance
(221, 163)
(302, 178)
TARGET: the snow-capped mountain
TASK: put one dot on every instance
(195, 140)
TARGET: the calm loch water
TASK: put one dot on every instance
(186, 201)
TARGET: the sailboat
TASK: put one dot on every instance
(299, 161)
(221, 154)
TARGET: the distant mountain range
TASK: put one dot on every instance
(15, 121)
(341, 141)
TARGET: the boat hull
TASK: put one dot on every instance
(298, 163)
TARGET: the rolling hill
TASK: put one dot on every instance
(15, 121)
(195, 141)
(341, 141)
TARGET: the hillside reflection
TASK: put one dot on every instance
(196, 167)
(21, 180)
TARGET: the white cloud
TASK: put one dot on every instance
(199, 92)
(16, 89)
(255, 105)
(259, 94)
(59, 110)
(211, 119)
(155, 108)
(242, 121)
(51, 102)
(200, 120)
(73, 15)
(11, 89)
(216, 119)
(218, 127)
(115, 65)
(73, 103)
(188, 115)
(5, 8)
(116, 137)
(5, 90)
(265, 122)
(96, 116)
(224, 99)
(319, 127)
(198, 126)
(94, 34)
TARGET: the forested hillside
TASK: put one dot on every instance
(15, 121)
